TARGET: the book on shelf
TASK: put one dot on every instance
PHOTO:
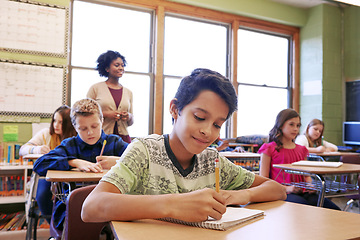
(9, 153)
(232, 217)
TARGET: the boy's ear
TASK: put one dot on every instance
(173, 109)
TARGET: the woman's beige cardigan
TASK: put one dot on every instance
(101, 93)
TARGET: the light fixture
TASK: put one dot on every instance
(350, 2)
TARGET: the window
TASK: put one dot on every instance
(98, 28)
(193, 37)
(263, 80)
(191, 44)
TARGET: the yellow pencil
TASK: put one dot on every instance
(44, 139)
(217, 175)
(102, 149)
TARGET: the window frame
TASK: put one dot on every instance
(163, 8)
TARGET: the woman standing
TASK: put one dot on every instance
(115, 100)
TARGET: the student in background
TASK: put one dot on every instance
(82, 151)
(173, 175)
(313, 138)
(223, 146)
(281, 149)
(49, 138)
(44, 141)
(115, 100)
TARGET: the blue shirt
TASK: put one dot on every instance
(75, 148)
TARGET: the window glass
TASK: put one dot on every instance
(191, 44)
(262, 58)
(258, 107)
(263, 80)
(98, 28)
(170, 87)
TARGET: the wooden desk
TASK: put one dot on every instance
(63, 182)
(246, 145)
(247, 160)
(325, 188)
(282, 220)
(331, 155)
(73, 176)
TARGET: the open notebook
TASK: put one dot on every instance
(317, 164)
(233, 216)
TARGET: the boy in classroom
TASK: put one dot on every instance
(83, 151)
(173, 175)
(282, 149)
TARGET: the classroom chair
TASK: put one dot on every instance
(75, 228)
(354, 199)
(33, 214)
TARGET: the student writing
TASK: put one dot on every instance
(281, 149)
(313, 138)
(173, 175)
(82, 151)
(44, 141)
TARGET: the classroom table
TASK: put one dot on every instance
(282, 220)
(246, 145)
(330, 156)
(247, 160)
(326, 180)
(72, 179)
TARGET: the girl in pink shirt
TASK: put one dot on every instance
(282, 149)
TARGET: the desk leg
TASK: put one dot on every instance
(321, 192)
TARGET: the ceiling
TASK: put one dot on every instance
(302, 3)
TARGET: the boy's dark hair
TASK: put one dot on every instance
(205, 79)
(104, 61)
(276, 133)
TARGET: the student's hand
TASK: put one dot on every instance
(330, 150)
(293, 189)
(85, 166)
(106, 162)
(239, 149)
(320, 149)
(42, 149)
(197, 205)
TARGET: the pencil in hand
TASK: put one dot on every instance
(217, 175)
(102, 151)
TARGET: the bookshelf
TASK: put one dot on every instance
(21, 171)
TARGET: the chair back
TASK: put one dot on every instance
(74, 227)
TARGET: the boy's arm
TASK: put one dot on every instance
(56, 159)
(192, 206)
(262, 190)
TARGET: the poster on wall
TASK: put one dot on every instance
(30, 90)
(31, 28)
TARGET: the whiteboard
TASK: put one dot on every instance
(33, 28)
(31, 90)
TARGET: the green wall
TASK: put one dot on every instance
(352, 43)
